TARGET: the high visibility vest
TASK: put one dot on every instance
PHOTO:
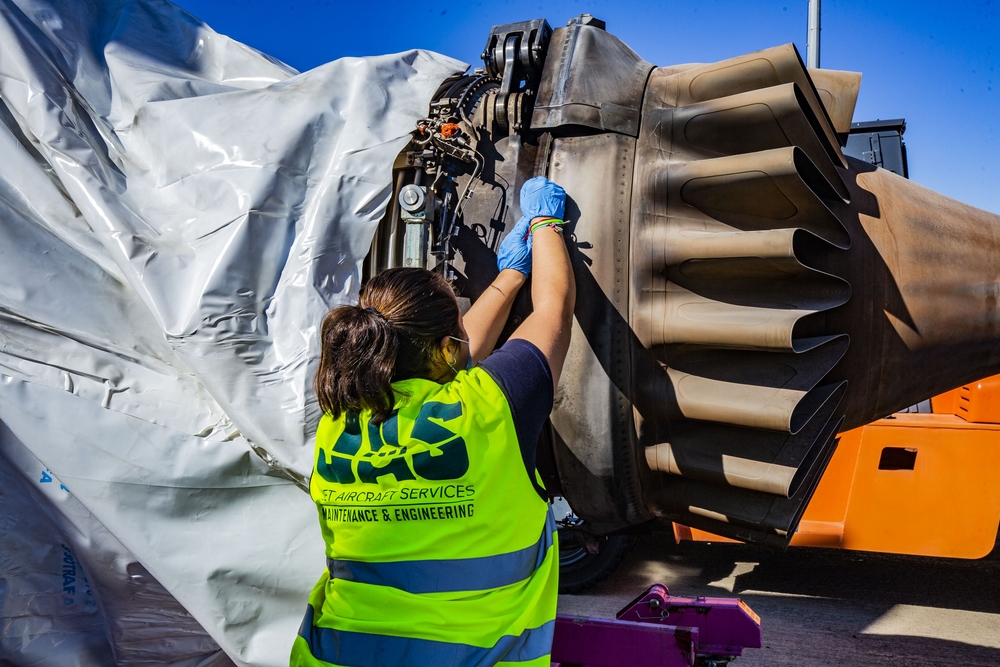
(439, 550)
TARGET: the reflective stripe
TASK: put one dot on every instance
(357, 649)
(450, 576)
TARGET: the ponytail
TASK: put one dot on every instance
(391, 335)
(356, 362)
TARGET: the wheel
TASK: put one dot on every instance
(579, 568)
(584, 559)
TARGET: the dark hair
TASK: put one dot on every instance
(391, 335)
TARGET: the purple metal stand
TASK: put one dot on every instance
(658, 629)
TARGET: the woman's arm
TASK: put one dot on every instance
(553, 297)
(485, 319)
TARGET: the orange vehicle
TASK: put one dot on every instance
(922, 482)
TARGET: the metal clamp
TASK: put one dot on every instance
(515, 53)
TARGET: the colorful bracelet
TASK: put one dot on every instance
(544, 221)
(548, 222)
(553, 226)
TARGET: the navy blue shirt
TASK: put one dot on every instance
(522, 372)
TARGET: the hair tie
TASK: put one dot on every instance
(375, 311)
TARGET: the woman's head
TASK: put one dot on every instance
(401, 328)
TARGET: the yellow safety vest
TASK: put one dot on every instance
(439, 550)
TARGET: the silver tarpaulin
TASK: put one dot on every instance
(177, 212)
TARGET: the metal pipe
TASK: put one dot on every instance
(812, 45)
(395, 236)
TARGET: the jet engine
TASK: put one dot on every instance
(745, 291)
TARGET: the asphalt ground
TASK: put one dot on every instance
(825, 606)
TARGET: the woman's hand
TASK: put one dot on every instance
(515, 249)
(541, 198)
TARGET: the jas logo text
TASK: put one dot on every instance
(446, 459)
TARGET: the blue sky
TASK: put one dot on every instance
(937, 64)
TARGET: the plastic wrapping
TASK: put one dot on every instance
(177, 212)
(56, 555)
(50, 615)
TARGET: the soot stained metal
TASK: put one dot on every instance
(745, 291)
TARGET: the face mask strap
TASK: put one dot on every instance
(468, 361)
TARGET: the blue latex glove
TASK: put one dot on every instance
(541, 197)
(515, 251)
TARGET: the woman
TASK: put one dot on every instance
(440, 546)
